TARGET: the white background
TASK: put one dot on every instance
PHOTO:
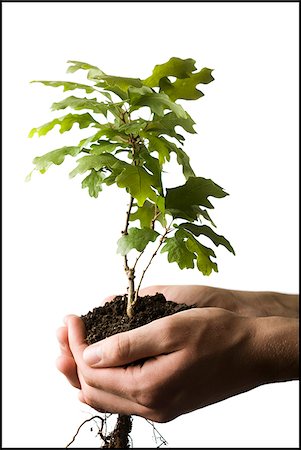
(59, 252)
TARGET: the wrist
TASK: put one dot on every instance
(266, 303)
(276, 348)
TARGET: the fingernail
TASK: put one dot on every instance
(92, 355)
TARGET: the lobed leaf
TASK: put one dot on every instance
(158, 145)
(184, 160)
(77, 65)
(204, 230)
(94, 73)
(103, 146)
(138, 182)
(166, 125)
(42, 163)
(153, 165)
(137, 238)
(184, 201)
(186, 88)
(134, 127)
(178, 252)
(67, 85)
(115, 89)
(65, 123)
(171, 120)
(93, 182)
(176, 67)
(107, 130)
(157, 102)
(164, 148)
(183, 249)
(105, 160)
(146, 214)
(82, 103)
(203, 254)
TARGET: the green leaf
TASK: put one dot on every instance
(178, 252)
(152, 164)
(67, 85)
(183, 201)
(115, 89)
(157, 102)
(103, 146)
(171, 120)
(134, 127)
(146, 214)
(186, 88)
(204, 213)
(176, 67)
(77, 65)
(82, 103)
(105, 160)
(94, 138)
(57, 157)
(203, 254)
(166, 125)
(138, 182)
(198, 230)
(107, 130)
(182, 158)
(94, 73)
(136, 238)
(65, 123)
(122, 83)
(158, 145)
(93, 182)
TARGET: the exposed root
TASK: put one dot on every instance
(119, 438)
(100, 429)
(157, 435)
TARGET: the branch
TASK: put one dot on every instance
(127, 222)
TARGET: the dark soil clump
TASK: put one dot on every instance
(111, 318)
(104, 321)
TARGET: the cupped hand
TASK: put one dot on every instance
(194, 358)
(243, 303)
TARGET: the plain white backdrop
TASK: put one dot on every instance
(59, 245)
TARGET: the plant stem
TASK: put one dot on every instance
(149, 263)
(129, 272)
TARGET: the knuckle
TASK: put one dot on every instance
(147, 396)
(120, 348)
(89, 398)
(89, 378)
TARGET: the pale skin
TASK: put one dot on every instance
(233, 342)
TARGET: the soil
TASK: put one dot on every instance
(111, 318)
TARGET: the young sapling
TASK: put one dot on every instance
(127, 149)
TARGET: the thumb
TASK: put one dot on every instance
(148, 340)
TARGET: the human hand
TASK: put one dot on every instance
(195, 358)
(246, 303)
(252, 304)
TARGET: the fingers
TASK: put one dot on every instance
(67, 366)
(65, 362)
(149, 340)
(104, 401)
(62, 337)
(76, 336)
